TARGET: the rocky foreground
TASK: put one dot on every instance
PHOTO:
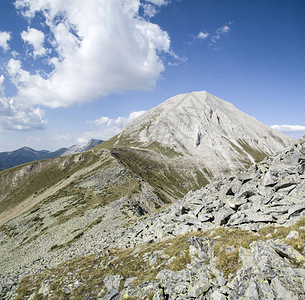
(240, 237)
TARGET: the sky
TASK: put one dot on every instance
(72, 70)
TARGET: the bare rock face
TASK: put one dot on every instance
(210, 130)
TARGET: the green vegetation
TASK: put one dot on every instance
(167, 151)
(107, 144)
(282, 231)
(76, 201)
(228, 261)
(86, 199)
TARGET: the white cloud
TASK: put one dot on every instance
(119, 122)
(286, 128)
(177, 57)
(149, 10)
(18, 76)
(294, 131)
(4, 38)
(15, 115)
(223, 30)
(102, 47)
(108, 127)
(14, 54)
(36, 39)
(2, 89)
(158, 2)
(202, 35)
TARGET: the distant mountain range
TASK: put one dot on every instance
(26, 154)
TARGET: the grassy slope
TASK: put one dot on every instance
(20, 182)
(160, 166)
(91, 270)
(168, 178)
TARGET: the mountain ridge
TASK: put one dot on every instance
(228, 240)
(124, 193)
(26, 154)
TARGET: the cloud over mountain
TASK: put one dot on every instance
(102, 47)
(294, 131)
(90, 50)
(106, 127)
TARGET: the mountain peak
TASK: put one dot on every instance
(81, 148)
(213, 131)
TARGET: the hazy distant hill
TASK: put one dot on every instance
(26, 154)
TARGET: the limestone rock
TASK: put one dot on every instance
(112, 281)
(202, 246)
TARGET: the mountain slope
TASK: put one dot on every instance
(197, 137)
(26, 154)
(211, 130)
(118, 194)
(240, 237)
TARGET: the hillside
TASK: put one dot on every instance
(94, 207)
(239, 237)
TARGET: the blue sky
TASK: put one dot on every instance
(71, 70)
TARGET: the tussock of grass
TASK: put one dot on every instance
(180, 262)
(229, 262)
(281, 232)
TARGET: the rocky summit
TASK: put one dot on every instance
(203, 128)
(133, 219)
